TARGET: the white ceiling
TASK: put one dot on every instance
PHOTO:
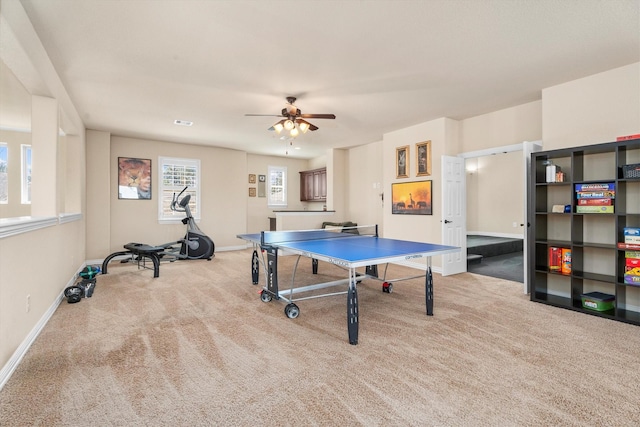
(133, 67)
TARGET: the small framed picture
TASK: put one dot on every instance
(402, 162)
(252, 192)
(423, 156)
(252, 178)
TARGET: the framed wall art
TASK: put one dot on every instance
(252, 178)
(402, 162)
(423, 158)
(411, 198)
(252, 192)
(134, 178)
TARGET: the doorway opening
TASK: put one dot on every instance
(500, 257)
(496, 183)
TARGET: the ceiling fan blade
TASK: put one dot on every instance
(317, 116)
(264, 115)
(312, 127)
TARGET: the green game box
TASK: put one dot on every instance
(598, 301)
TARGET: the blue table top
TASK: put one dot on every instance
(352, 249)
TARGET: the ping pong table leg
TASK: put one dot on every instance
(429, 291)
(255, 267)
(371, 270)
(314, 265)
(272, 271)
(352, 313)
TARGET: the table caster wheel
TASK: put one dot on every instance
(292, 311)
(387, 287)
(265, 296)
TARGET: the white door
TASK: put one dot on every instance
(454, 214)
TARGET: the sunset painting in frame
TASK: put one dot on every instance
(411, 198)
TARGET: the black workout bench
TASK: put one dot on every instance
(139, 251)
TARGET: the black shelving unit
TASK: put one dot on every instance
(596, 262)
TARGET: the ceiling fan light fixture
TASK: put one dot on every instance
(288, 125)
(292, 109)
(292, 120)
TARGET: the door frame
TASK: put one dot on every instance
(527, 147)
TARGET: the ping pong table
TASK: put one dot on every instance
(350, 248)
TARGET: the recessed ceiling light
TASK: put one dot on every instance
(183, 122)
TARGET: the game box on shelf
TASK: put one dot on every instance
(595, 198)
(632, 258)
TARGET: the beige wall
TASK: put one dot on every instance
(504, 127)
(495, 195)
(73, 179)
(497, 180)
(98, 184)
(224, 193)
(364, 203)
(112, 223)
(592, 110)
(337, 183)
(36, 265)
(425, 228)
(258, 212)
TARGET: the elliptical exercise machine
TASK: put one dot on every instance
(194, 245)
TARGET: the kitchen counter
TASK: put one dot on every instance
(299, 219)
(303, 211)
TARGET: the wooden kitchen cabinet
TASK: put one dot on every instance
(313, 185)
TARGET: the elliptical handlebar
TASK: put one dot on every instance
(184, 202)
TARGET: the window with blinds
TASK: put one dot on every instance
(26, 174)
(4, 177)
(277, 186)
(175, 175)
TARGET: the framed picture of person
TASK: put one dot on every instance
(402, 162)
(423, 158)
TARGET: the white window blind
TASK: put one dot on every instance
(26, 174)
(175, 175)
(4, 177)
(277, 186)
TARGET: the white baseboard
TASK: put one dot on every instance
(9, 368)
(233, 248)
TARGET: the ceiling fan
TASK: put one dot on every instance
(293, 119)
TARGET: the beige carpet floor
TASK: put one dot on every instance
(197, 347)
